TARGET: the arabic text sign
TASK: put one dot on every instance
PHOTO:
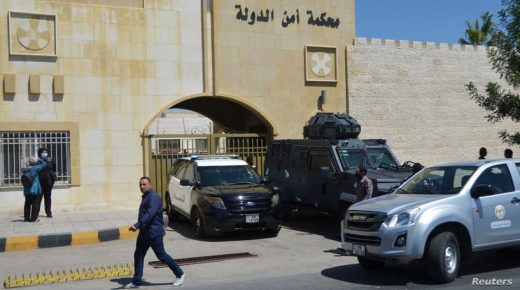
(268, 15)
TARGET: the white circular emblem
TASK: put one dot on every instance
(500, 211)
(34, 34)
(321, 63)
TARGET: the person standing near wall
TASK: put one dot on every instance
(32, 189)
(508, 153)
(482, 153)
(47, 179)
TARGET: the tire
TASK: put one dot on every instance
(274, 231)
(444, 257)
(170, 212)
(370, 264)
(198, 223)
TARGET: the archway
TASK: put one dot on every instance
(199, 125)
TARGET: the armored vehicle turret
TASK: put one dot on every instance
(331, 126)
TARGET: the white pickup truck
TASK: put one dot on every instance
(441, 215)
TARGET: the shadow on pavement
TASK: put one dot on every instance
(417, 272)
(185, 228)
(313, 223)
(491, 261)
(393, 275)
(123, 281)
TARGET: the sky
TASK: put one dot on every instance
(419, 20)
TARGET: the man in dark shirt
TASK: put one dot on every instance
(47, 179)
(151, 232)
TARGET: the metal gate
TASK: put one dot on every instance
(164, 149)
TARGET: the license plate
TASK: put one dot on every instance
(358, 250)
(252, 218)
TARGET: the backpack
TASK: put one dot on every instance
(26, 179)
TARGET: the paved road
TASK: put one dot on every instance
(303, 256)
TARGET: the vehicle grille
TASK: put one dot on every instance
(244, 226)
(248, 204)
(363, 240)
(365, 221)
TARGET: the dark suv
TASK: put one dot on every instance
(220, 194)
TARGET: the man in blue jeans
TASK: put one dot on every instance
(151, 232)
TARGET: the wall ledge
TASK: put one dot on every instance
(410, 44)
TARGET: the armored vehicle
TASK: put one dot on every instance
(318, 173)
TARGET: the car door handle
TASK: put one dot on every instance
(515, 200)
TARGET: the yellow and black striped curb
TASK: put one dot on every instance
(68, 276)
(23, 243)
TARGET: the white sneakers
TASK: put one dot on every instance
(179, 281)
(130, 286)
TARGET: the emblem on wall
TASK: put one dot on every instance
(32, 34)
(320, 64)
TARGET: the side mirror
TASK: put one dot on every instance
(185, 182)
(482, 190)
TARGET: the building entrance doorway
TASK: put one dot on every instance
(201, 126)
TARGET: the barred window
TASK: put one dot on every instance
(169, 146)
(17, 147)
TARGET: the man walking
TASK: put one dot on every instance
(151, 232)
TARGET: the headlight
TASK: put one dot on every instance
(275, 199)
(403, 218)
(215, 202)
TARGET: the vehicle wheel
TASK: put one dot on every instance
(274, 231)
(172, 214)
(370, 264)
(198, 223)
(444, 257)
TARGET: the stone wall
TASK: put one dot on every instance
(414, 95)
(121, 66)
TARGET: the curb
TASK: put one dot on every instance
(23, 243)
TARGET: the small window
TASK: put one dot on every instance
(498, 177)
(518, 168)
(169, 146)
(179, 174)
(319, 161)
(461, 177)
(176, 166)
(190, 173)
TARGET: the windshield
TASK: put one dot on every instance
(438, 180)
(381, 156)
(225, 175)
(352, 158)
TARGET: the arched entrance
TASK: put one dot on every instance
(204, 125)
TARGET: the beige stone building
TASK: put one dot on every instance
(89, 79)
